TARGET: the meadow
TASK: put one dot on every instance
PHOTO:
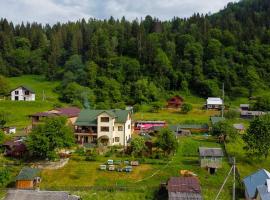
(84, 178)
(19, 111)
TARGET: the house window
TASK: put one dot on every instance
(105, 119)
(129, 126)
(104, 129)
(117, 139)
(26, 92)
(120, 128)
(16, 92)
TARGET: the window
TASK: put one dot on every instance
(117, 139)
(16, 92)
(104, 128)
(26, 92)
(105, 119)
(129, 126)
(120, 128)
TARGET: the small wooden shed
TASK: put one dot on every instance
(211, 158)
(175, 102)
(28, 178)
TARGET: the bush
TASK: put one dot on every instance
(80, 152)
(4, 176)
(232, 114)
(186, 108)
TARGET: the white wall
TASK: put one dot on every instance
(110, 124)
(21, 95)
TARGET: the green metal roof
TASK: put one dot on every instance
(215, 120)
(88, 117)
(188, 126)
(28, 173)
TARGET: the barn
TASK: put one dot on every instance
(28, 178)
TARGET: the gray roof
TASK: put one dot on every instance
(25, 87)
(210, 152)
(264, 194)
(39, 195)
(239, 126)
(244, 105)
(252, 113)
(215, 120)
(184, 196)
(254, 180)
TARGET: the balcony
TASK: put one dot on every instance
(85, 132)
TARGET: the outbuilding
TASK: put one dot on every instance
(28, 178)
(184, 188)
(175, 102)
(211, 158)
(214, 103)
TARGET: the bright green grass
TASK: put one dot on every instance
(174, 117)
(20, 110)
(246, 164)
(79, 173)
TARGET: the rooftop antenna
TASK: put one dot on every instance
(223, 105)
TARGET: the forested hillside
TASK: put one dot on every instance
(116, 62)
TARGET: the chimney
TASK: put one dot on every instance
(268, 185)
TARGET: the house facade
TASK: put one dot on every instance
(214, 103)
(22, 93)
(108, 127)
(28, 178)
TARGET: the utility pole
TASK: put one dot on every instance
(223, 94)
(233, 178)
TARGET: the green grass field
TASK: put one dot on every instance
(20, 110)
(80, 173)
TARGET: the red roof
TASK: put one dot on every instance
(184, 185)
(68, 112)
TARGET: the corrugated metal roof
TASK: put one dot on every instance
(88, 117)
(264, 194)
(39, 195)
(211, 152)
(184, 185)
(254, 180)
(214, 101)
(27, 173)
(239, 126)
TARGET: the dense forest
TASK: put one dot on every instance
(115, 62)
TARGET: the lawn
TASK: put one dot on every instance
(246, 164)
(85, 179)
(197, 115)
(20, 110)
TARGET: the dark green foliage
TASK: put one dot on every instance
(156, 106)
(262, 103)
(4, 117)
(4, 176)
(141, 62)
(257, 139)
(167, 141)
(137, 146)
(224, 129)
(2, 137)
(232, 114)
(46, 138)
(4, 86)
(186, 107)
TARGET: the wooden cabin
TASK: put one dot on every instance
(211, 158)
(175, 102)
(28, 178)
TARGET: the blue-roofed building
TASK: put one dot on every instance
(257, 185)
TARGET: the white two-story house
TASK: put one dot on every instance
(22, 93)
(109, 127)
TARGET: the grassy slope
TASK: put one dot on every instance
(19, 110)
(83, 173)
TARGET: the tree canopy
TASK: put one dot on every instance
(136, 61)
(257, 139)
(46, 138)
(167, 141)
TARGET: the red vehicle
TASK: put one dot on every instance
(146, 125)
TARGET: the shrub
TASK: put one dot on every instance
(4, 176)
(186, 108)
(232, 114)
